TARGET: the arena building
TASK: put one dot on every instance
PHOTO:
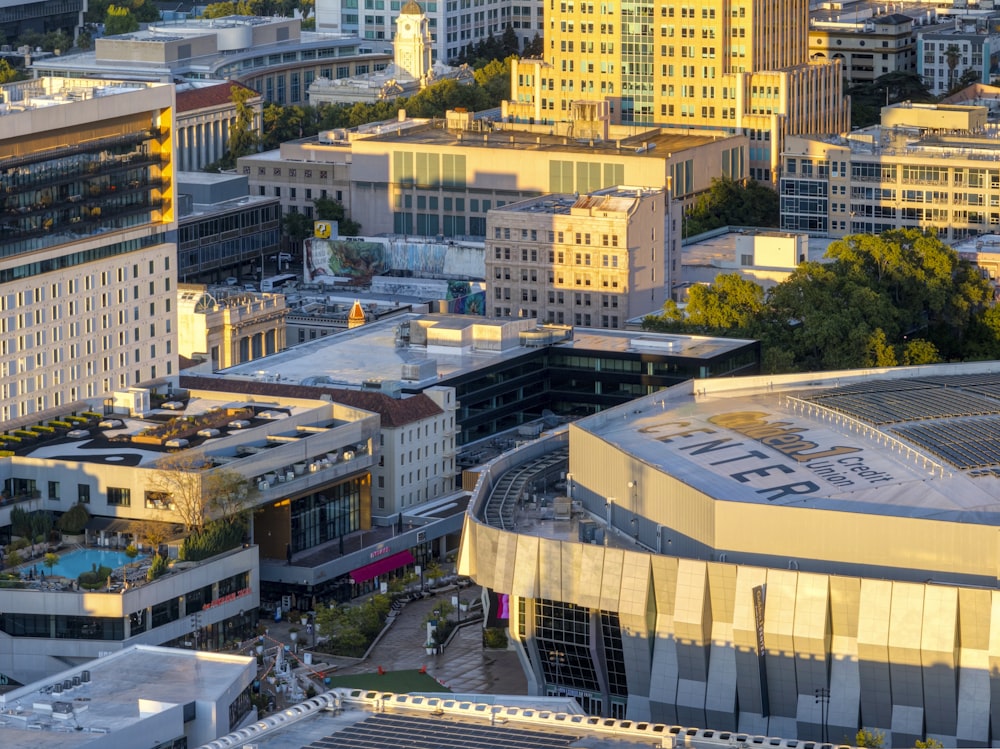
(796, 556)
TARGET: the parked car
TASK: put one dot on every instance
(232, 281)
(111, 424)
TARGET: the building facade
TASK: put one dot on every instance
(947, 52)
(88, 277)
(758, 574)
(454, 25)
(927, 166)
(594, 260)
(867, 48)
(205, 118)
(226, 327)
(731, 66)
(273, 56)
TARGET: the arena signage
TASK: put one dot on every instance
(806, 462)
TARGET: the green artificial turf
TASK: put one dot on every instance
(399, 682)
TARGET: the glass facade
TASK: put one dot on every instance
(60, 195)
(318, 518)
(637, 61)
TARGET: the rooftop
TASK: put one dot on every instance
(114, 693)
(907, 442)
(456, 344)
(619, 199)
(652, 143)
(202, 97)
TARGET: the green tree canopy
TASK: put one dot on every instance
(119, 20)
(730, 203)
(328, 209)
(902, 297)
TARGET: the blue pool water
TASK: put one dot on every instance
(72, 564)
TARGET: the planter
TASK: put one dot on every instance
(300, 468)
(304, 620)
(307, 658)
(429, 649)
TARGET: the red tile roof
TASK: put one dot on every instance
(207, 96)
(395, 412)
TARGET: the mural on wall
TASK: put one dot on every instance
(463, 300)
(355, 261)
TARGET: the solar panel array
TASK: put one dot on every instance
(969, 443)
(881, 405)
(956, 418)
(385, 731)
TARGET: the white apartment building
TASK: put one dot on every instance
(87, 277)
(946, 52)
(926, 166)
(594, 259)
(453, 24)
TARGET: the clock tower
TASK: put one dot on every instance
(412, 44)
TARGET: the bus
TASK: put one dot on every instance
(276, 283)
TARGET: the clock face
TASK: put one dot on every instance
(406, 27)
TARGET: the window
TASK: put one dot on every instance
(83, 494)
(119, 496)
(54, 490)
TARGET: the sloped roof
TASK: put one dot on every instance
(395, 412)
(207, 96)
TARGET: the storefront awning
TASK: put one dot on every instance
(381, 566)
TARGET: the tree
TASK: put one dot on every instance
(148, 532)
(179, 478)
(731, 203)
(880, 353)
(50, 560)
(535, 48)
(952, 56)
(74, 520)
(328, 209)
(730, 303)
(867, 99)
(509, 43)
(8, 73)
(296, 227)
(242, 137)
(229, 493)
(870, 738)
(919, 351)
(119, 20)
(929, 743)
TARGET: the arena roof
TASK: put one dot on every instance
(921, 442)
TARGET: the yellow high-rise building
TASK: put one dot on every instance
(703, 64)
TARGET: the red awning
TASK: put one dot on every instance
(381, 566)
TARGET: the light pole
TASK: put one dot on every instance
(557, 658)
(823, 700)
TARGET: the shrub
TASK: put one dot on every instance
(95, 579)
(158, 568)
(60, 424)
(131, 551)
(74, 520)
(495, 637)
(24, 434)
(6, 453)
(13, 558)
(44, 428)
(216, 537)
(91, 415)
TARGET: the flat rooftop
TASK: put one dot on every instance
(35, 717)
(655, 143)
(371, 352)
(908, 442)
(112, 444)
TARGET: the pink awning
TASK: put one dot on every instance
(381, 566)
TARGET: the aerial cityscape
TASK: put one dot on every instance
(463, 373)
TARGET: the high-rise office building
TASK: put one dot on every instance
(734, 65)
(87, 275)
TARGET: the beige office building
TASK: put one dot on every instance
(430, 177)
(594, 260)
(87, 277)
(734, 65)
(928, 166)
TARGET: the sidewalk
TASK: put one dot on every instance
(463, 666)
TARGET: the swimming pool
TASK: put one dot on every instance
(83, 560)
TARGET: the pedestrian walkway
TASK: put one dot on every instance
(463, 666)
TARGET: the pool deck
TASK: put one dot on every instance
(37, 576)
